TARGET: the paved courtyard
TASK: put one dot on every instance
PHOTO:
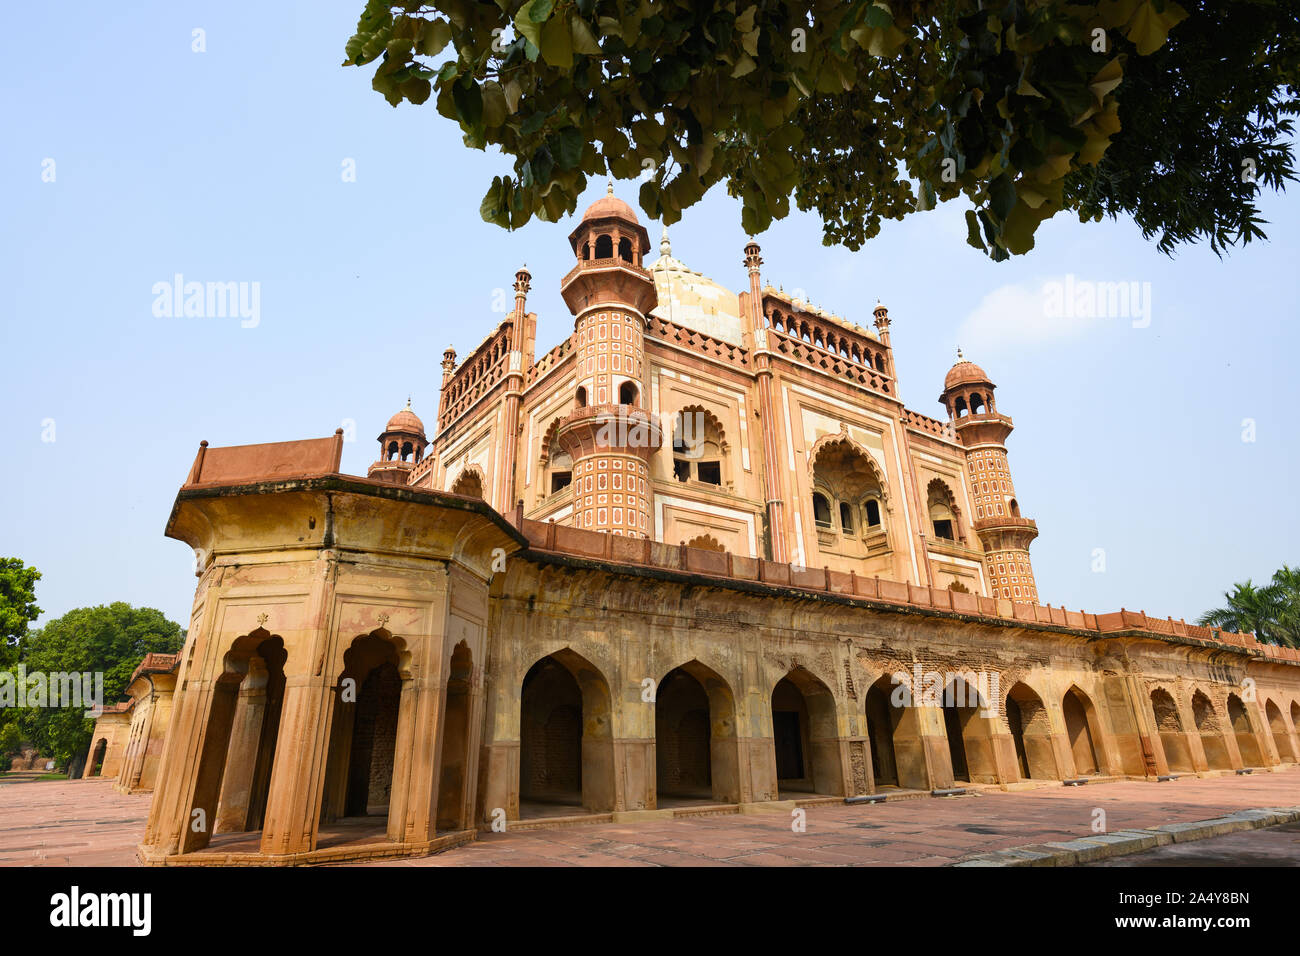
(87, 823)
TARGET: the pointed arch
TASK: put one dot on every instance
(942, 510)
(1169, 726)
(566, 743)
(1031, 732)
(700, 448)
(470, 482)
(1083, 732)
(849, 496)
(696, 747)
(805, 733)
(1207, 727)
(1243, 728)
(1277, 727)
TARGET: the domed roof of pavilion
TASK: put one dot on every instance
(610, 205)
(964, 373)
(406, 421)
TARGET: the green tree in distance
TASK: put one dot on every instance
(17, 606)
(109, 639)
(1271, 612)
(1172, 114)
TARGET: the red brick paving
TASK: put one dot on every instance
(87, 823)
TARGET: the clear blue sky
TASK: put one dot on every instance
(226, 166)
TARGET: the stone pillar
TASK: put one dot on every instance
(293, 805)
(298, 777)
(242, 755)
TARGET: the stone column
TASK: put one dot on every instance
(293, 805)
(242, 756)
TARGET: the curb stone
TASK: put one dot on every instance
(1103, 846)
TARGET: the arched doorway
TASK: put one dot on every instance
(363, 733)
(1170, 727)
(237, 760)
(566, 752)
(880, 735)
(695, 737)
(969, 732)
(897, 753)
(1080, 731)
(1247, 742)
(1031, 732)
(97, 760)
(1277, 727)
(1207, 726)
(1295, 726)
(455, 741)
(805, 735)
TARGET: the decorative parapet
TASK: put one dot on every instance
(698, 342)
(549, 537)
(477, 375)
(928, 425)
(591, 265)
(550, 360)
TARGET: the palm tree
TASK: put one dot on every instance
(1271, 612)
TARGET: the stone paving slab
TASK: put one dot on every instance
(88, 823)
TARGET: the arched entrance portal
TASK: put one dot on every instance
(897, 753)
(1080, 731)
(969, 732)
(1281, 738)
(805, 735)
(1247, 742)
(695, 737)
(363, 733)
(238, 756)
(1170, 727)
(453, 780)
(1207, 726)
(566, 749)
(97, 761)
(1031, 731)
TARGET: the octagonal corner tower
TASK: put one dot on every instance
(983, 430)
(608, 432)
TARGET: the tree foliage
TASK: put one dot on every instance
(105, 639)
(1271, 612)
(865, 110)
(17, 605)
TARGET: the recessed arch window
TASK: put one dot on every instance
(604, 247)
(581, 396)
(873, 512)
(942, 510)
(627, 393)
(821, 510)
(625, 249)
(846, 478)
(699, 446)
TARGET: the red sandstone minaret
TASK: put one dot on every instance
(983, 430)
(608, 433)
(756, 337)
(519, 353)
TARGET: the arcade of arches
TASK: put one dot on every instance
(392, 691)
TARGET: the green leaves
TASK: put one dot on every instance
(861, 111)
